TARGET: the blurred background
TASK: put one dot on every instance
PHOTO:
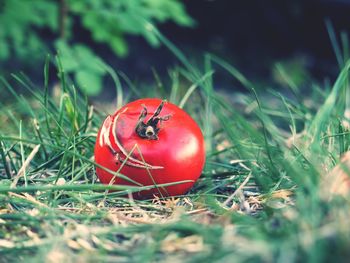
(303, 37)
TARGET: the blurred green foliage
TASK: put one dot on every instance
(20, 21)
(24, 23)
(109, 20)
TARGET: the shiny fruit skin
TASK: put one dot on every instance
(176, 153)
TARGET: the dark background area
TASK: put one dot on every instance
(251, 35)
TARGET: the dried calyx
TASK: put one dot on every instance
(149, 130)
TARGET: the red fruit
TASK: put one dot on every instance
(152, 142)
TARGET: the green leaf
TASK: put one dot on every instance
(77, 5)
(89, 82)
(68, 60)
(34, 43)
(44, 13)
(91, 21)
(179, 14)
(101, 35)
(168, 10)
(131, 23)
(151, 38)
(88, 60)
(4, 50)
(119, 46)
